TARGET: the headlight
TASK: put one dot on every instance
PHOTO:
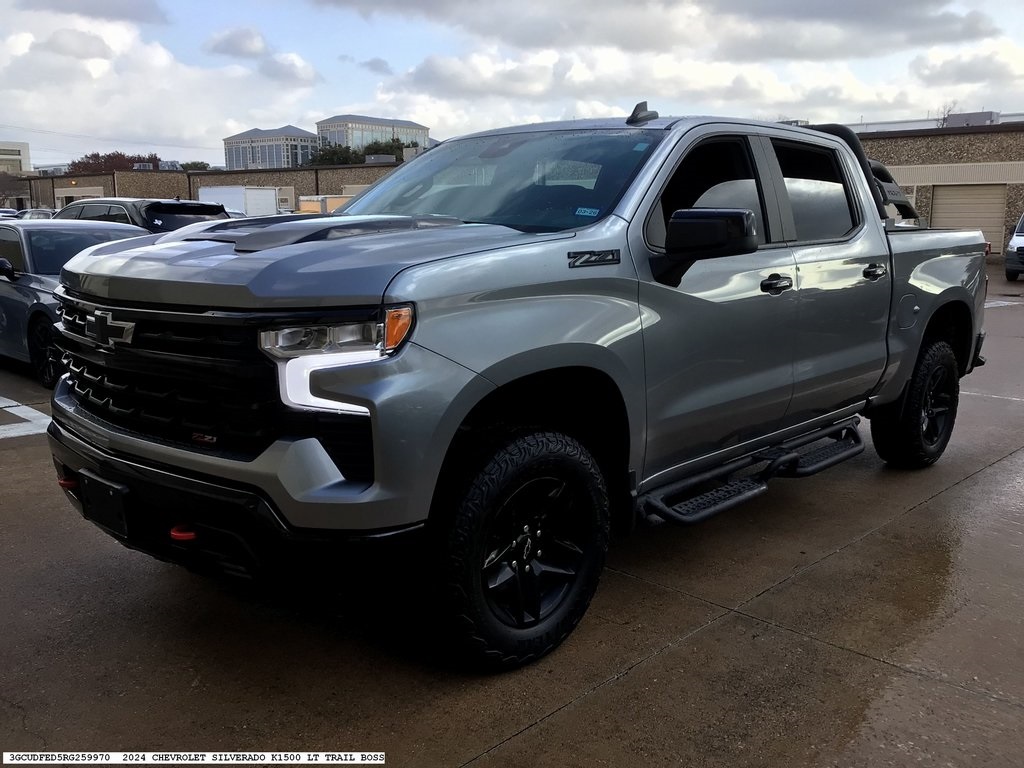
(301, 350)
(358, 341)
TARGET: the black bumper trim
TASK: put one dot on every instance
(238, 530)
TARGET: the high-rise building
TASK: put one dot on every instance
(357, 131)
(284, 147)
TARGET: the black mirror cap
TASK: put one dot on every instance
(7, 270)
(708, 233)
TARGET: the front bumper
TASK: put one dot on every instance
(199, 522)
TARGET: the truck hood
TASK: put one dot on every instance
(307, 262)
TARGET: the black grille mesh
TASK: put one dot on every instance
(199, 383)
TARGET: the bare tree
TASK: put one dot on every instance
(948, 109)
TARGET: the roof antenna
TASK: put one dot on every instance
(641, 114)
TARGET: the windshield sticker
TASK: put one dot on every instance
(587, 211)
(641, 147)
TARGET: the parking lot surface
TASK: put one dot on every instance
(861, 617)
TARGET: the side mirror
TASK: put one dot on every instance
(703, 233)
(708, 233)
(7, 270)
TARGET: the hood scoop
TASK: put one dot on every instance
(293, 232)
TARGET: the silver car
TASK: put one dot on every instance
(32, 253)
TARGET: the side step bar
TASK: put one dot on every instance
(692, 500)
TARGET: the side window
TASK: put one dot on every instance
(818, 196)
(118, 214)
(10, 249)
(719, 173)
(70, 212)
(94, 212)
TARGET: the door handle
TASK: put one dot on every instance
(875, 271)
(776, 283)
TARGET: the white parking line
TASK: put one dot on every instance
(996, 397)
(35, 422)
(1000, 303)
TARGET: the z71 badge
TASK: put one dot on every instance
(592, 258)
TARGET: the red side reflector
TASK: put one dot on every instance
(67, 484)
(182, 533)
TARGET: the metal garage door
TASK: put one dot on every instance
(972, 206)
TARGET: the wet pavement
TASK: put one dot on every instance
(861, 617)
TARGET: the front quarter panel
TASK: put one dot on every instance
(522, 310)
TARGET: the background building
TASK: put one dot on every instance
(14, 157)
(357, 131)
(959, 177)
(284, 147)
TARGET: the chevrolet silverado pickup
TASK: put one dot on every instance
(508, 345)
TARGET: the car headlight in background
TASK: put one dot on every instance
(300, 350)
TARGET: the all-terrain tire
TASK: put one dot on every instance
(913, 432)
(523, 550)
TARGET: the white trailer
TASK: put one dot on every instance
(252, 201)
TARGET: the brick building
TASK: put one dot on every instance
(970, 176)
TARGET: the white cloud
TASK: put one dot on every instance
(289, 68)
(141, 97)
(243, 42)
(76, 44)
(141, 11)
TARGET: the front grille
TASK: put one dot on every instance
(196, 381)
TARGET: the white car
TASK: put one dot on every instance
(1015, 252)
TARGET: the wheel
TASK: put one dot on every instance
(913, 432)
(524, 550)
(1012, 275)
(46, 367)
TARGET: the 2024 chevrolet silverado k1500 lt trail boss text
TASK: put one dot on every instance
(507, 344)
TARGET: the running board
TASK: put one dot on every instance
(692, 500)
(704, 505)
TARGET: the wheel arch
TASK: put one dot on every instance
(582, 401)
(953, 323)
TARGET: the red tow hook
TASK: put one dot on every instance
(67, 483)
(183, 533)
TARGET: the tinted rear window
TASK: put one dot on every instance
(166, 217)
(51, 248)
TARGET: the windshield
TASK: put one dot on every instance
(534, 182)
(50, 249)
(1020, 227)
(167, 217)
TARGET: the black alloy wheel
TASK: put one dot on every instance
(534, 550)
(523, 549)
(913, 432)
(939, 394)
(46, 368)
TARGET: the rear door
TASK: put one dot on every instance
(844, 280)
(719, 344)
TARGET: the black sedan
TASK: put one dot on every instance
(31, 255)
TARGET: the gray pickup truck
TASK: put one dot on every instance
(507, 346)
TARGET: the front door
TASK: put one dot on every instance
(719, 345)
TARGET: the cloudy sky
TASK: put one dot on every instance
(176, 76)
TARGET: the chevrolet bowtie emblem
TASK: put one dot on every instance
(106, 332)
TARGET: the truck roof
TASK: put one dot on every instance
(619, 123)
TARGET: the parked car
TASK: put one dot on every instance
(1015, 252)
(35, 213)
(151, 214)
(31, 256)
(6, 213)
